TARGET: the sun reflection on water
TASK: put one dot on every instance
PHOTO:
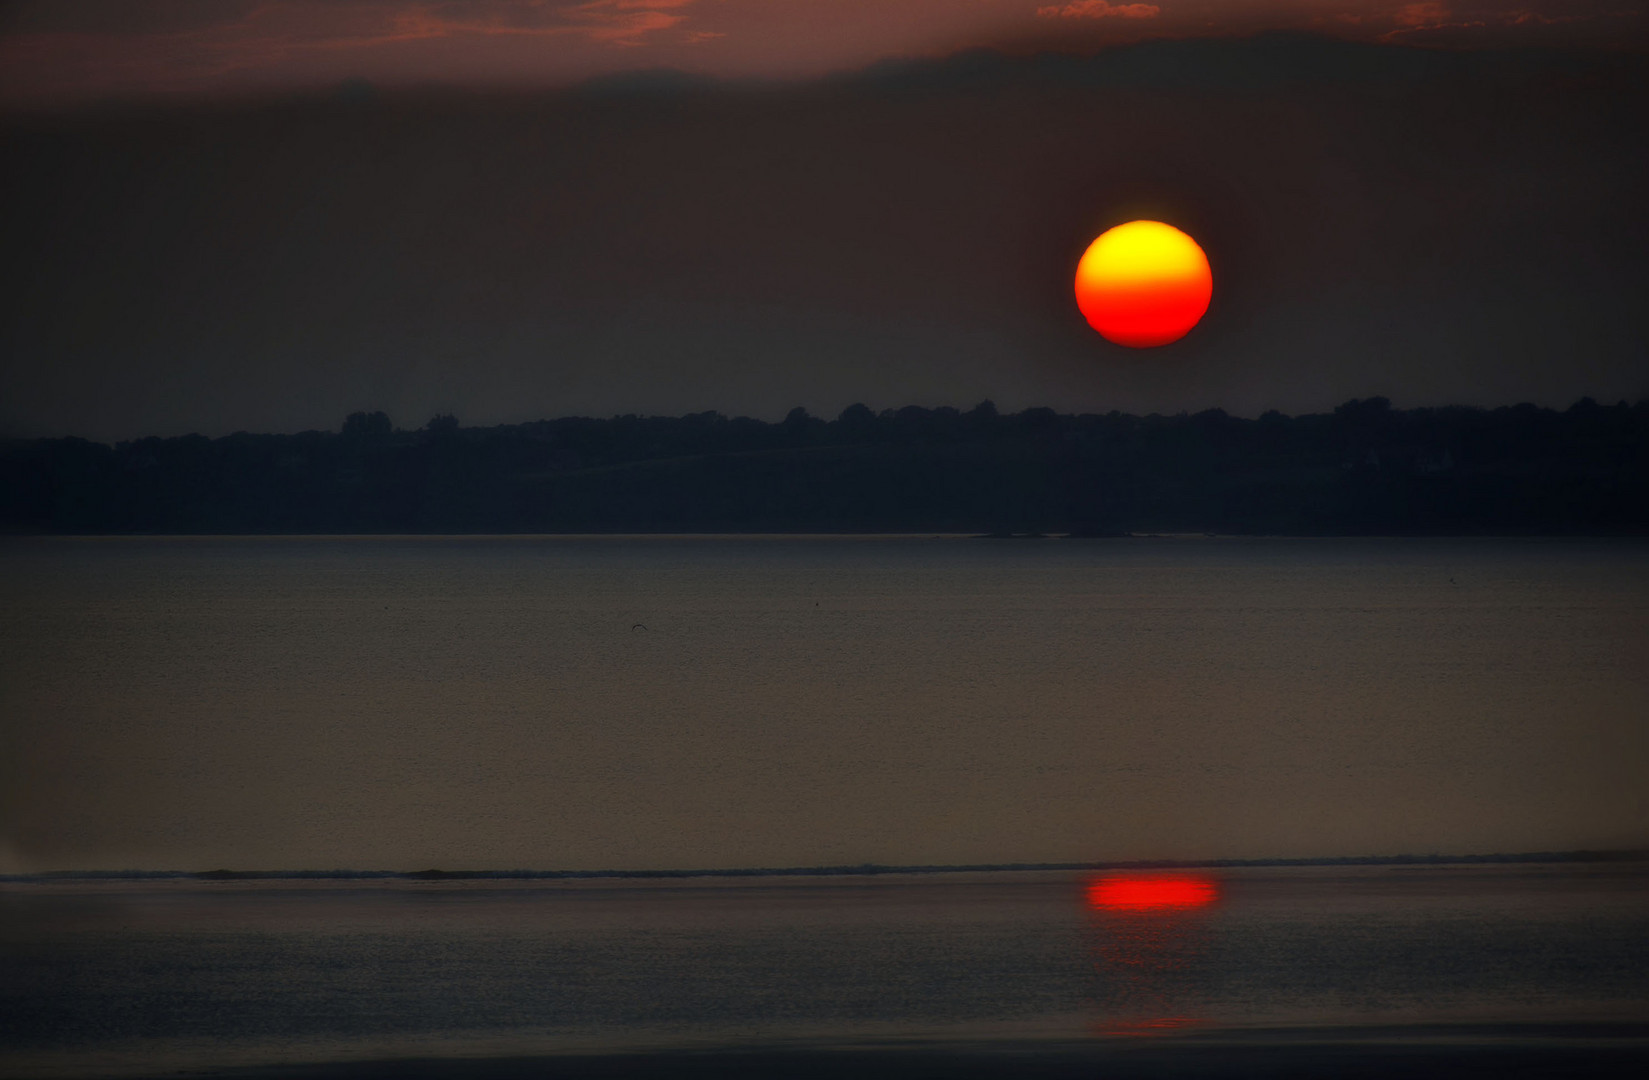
(1154, 892)
(1149, 932)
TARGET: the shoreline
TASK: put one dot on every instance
(1585, 857)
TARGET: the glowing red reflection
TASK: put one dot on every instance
(1151, 892)
(1145, 1029)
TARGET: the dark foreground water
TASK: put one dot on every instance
(957, 972)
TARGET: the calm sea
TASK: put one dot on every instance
(589, 703)
(658, 703)
(164, 978)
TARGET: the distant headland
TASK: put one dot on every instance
(1363, 469)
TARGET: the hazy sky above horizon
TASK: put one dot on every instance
(298, 210)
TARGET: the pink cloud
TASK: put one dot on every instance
(99, 48)
(1525, 18)
(625, 22)
(1424, 14)
(1099, 9)
(1431, 20)
(82, 50)
(620, 22)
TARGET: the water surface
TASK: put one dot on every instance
(591, 703)
(126, 977)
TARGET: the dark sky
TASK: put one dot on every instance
(264, 216)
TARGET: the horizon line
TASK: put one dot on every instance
(843, 870)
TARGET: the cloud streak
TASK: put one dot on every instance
(1099, 9)
(56, 53)
(1433, 20)
(91, 48)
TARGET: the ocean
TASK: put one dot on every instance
(132, 978)
(645, 704)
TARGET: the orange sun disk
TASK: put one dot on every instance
(1143, 284)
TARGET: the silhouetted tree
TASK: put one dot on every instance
(1365, 467)
(857, 420)
(362, 426)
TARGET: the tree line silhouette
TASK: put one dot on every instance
(1365, 468)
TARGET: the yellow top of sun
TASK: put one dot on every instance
(1141, 251)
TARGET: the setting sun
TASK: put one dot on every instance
(1143, 284)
